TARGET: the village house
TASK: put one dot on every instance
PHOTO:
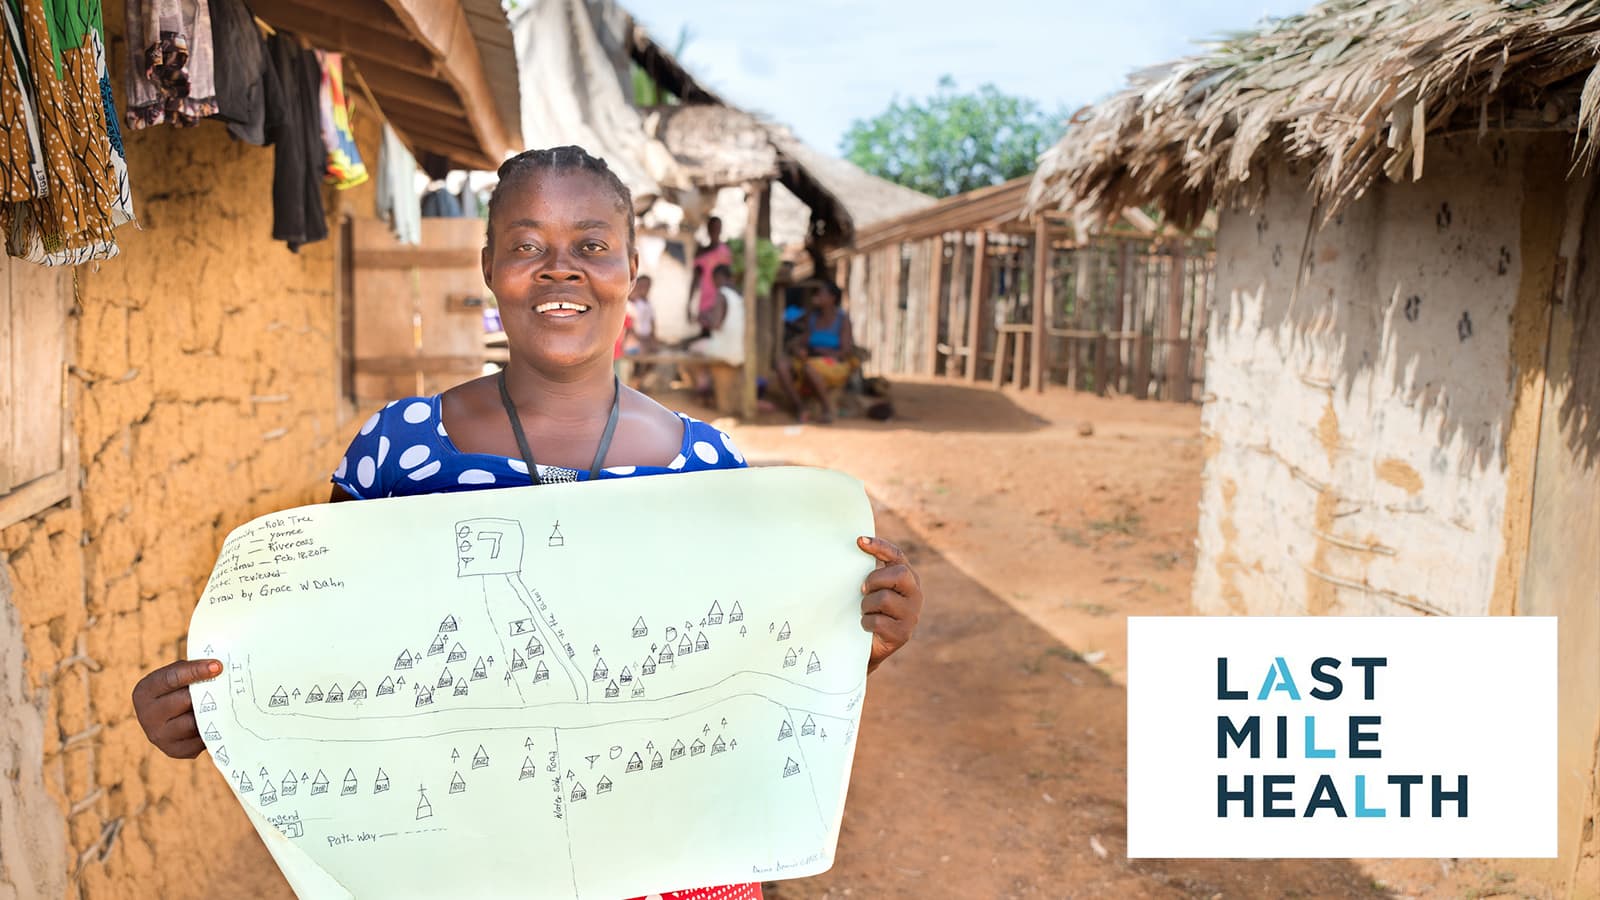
(1402, 393)
(151, 402)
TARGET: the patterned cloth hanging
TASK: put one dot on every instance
(85, 193)
(345, 168)
(170, 73)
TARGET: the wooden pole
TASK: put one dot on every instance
(980, 279)
(935, 302)
(1177, 343)
(747, 385)
(1119, 304)
(1041, 301)
(957, 332)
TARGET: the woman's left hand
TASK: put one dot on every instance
(893, 600)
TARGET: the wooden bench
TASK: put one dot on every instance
(724, 377)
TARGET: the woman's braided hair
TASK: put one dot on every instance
(561, 159)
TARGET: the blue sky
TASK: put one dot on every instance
(818, 64)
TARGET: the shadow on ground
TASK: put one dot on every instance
(919, 406)
(991, 764)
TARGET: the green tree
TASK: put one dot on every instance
(953, 142)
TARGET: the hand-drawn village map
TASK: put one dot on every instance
(597, 690)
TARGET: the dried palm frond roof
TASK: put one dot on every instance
(1351, 88)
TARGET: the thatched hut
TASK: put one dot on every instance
(1403, 360)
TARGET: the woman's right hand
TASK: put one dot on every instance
(166, 713)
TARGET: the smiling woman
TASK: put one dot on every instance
(560, 260)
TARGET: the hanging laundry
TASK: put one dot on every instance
(246, 85)
(345, 168)
(85, 191)
(22, 174)
(298, 216)
(398, 203)
(171, 77)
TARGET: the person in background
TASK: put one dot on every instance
(725, 344)
(639, 336)
(830, 352)
(703, 287)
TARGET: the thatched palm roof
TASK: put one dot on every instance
(1350, 88)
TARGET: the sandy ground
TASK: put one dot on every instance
(992, 749)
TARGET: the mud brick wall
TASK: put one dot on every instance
(206, 391)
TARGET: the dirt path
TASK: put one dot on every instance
(991, 759)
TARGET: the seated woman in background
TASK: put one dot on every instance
(830, 351)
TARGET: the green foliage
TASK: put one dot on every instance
(767, 260)
(953, 142)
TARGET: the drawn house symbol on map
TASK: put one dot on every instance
(809, 726)
(445, 679)
(604, 787)
(212, 734)
(685, 647)
(666, 655)
(449, 624)
(736, 614)
(381, 783)
(677, 750)
(385, 687)
(541, 673)
(349, 786)
(783, 633)
(358, 691)
(600, 671)
(635, 764)
(424, 696)
(791, 767)
(245, 786)
(611, 691)
(578, 793)
(461, 688)
(789, 659)
(479, 671)
(697, 748)
(639, 629)
(556, 538)
(291, 784)
(517, 662)
(221, 753)
(813, 664)
(268, 795)
(784, 731)
(207, 704)
(424, 808)
(279, 698)
(403, 661)
(638, 689)
(718, 746)
(319, 785)
(700, 642)
(457, 653)
(457, 783)
(528, 769)
(335, 694)
(626, 676)
(481, 758)
(714, 617)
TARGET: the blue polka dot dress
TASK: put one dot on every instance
(403, 450)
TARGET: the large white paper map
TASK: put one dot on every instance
(594, 690)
